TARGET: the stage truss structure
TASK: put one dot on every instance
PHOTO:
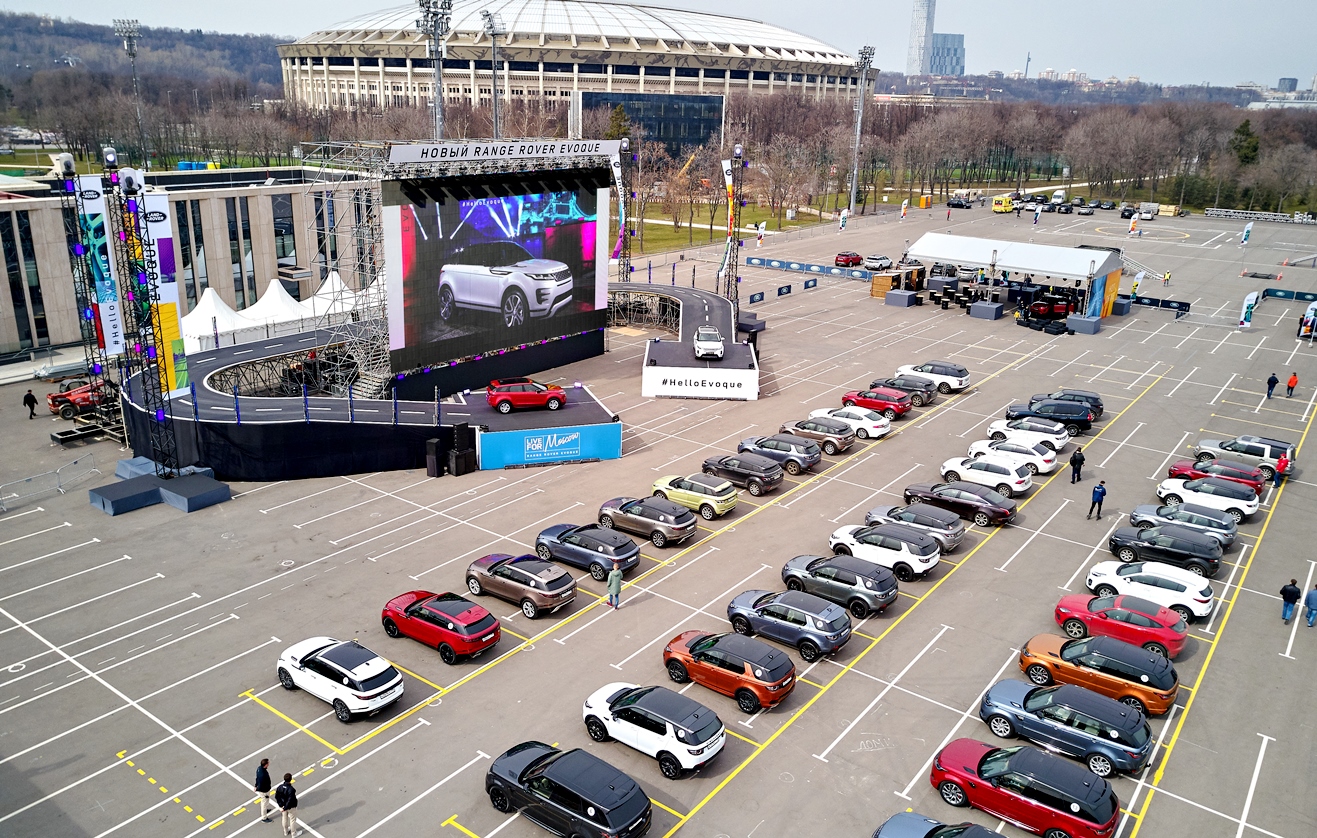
(732, 274)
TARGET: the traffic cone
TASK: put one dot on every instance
(1286, 263)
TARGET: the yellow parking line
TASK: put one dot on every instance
(865, 636)
(254, 697)
(742, 738)
(452, 821)
(420, 678)
(750, 502)
(652, 559)
(912, 596)
(667, 809)
(811, 683)
(513, 633)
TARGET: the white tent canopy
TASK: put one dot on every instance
(275, 306)
(333, 297)
(212, 314)
(1019, 258)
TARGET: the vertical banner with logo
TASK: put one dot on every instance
(160, 243)
(1248, 231)
(621, 208)
(905, 205)
(731, 218)
(1246, 315)
(96, 238)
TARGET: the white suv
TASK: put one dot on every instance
(1038, 458)
(708, 342)
(343, 673)
(503, 277)
(865, 423)
(1235, 499)
(1030, 431)
(1185, 593)
(1008, 476)
(680, 733)
(946, 375)
(906, 551)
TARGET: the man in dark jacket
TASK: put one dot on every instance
(1272, 381)
(30, 402)
(286, 798)
(1099, 492)
(262, 787)
(1076, 463)
(1289, 596)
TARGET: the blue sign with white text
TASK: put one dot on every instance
(499, 449)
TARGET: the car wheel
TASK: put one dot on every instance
(998, 436)
(890, 414)
(529, 609)
(1100, 765)
(1033, 469)
(498, 798)
(917, 401)
(981, 519)
(1105, 590)
(658, 493)
(1074, 628)
(847, 403)
(596, 729)
(951, 476)
(741, 626)
(341, 711)
(1145, 525)
(606, 522)
(67, 411)
(1073, 430)
(391, 628)
(514, 309)
(829, 448)
(1202, 458)
(861, 433)
(794, 584)
(1185, 613)
(669, 766)
(658, 539)
(755, 488)
(543, 551)
(944, 388)
(808, 651)
(286, 680)
(1157, 649)
(1127, 554)
(1001, 726)
(553, 404)
(1197, 569)
(841, 550)
(447, 308)
(1056, 833)
(1131, 701)
(747, 701)
(677, 672)
(1174, 500)
(1268, 473)
(858, 608)
(473, 585)
(504, 407)
(707, 512)
(952, 793)
(903, 573)
(1005, 491)
(792, 467)
(446, 654)
(1049, 445)
(1236, 514)
(597, 572)
(1038, 674)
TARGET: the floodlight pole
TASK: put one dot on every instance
(434, 21)
(731, 275)
(494, 28)
(129, 30)
(866, 55)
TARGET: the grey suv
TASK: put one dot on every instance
(794, 453)
(1257, 451)
(811, 624)
(657, 519)
(832, 435)
(943, 525)
(1202, 519)
(1108, 735)
(862, 587)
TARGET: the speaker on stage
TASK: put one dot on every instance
(461, 462)
(433, 467)
(463, 437)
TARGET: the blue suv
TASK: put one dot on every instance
(1108, 735)
(589, 547)
(795, 454)
(811, 624)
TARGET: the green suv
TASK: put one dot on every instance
(710, 496)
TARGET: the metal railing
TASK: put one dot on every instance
(58, 480)
(1249, 215)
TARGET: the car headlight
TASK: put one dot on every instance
(541, 277)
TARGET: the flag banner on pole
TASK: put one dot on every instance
(96, 238)
(731, 219)
(1248, 231)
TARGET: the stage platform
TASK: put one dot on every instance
(582, 430)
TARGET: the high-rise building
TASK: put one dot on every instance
(921, 36)
(947, 55)
(1287, 85)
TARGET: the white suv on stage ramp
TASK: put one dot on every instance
(342, 673)
(708, 342)
(503, 277)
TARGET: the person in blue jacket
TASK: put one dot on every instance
(1099, 492)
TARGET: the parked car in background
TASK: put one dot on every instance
(959, 203)
(1037, 458)
(750, 671)
(1260, 452)
(507, 394)
(1224, 469)
(908, 552)
(679, 732)
(529, 581)
(943, 525)
(758, 474)
(712, 497)
(1190, 516)
(794, 453)
(832, 435)
(1107, 205)
(890, 403)
(452, 624)
(1087, 397)
(1129, 618)
(567, 792)
(1184, 592)
(1005, 475)
(657, 519)
(1196, 552)
(1084, 211)
(1130, 674)
(863, 588)
(1094, 204)
(1075, 417)
(946, 375)
(1030, 431)
(810, 624)
(970, 501)
(1235, 499)
(589, 547)
(877, 262)
(1065, 209)
(865, 423)
(708, 342)
(342, 673)
(911, 824)
(848, 259)
(922, 390)
(1128, 212)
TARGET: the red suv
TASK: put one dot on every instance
(1224, 469)
(507, 393)
(890, 403)
(848, 259)
(1136, 621)
(1042, 793)
(454, 625)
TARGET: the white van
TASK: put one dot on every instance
(1058, 197)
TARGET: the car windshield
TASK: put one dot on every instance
(996, 762)
(1038, 699)
(706, 334)
(705, 732)
(765, 600)
(926, 549)
(1074, 649)
(377, 681)
(836, 624)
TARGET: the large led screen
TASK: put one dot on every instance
(474, 265)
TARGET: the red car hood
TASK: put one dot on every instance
(1075, 602)
(964, 753)
(401, 601)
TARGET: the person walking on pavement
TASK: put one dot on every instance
(262, 787)
(948, 213)
(1289, 595)
(1282, 466)
(286, 798)
(1166, 279)
(1289, 385)
(1076, 464)
(30, 402)
(1272, 381)
(615, 587)
(1310, 603)
(1099, 492)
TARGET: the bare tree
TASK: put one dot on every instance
(1287, 171)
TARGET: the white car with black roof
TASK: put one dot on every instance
(342, 673)
(1038, 458)
(1030, 431)
(679, 732)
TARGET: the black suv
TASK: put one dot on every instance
(757, 473)
(1088, 397)
(1075, 416)
(864, 588)
(922, 391)
(567, 792)
(1193, 551)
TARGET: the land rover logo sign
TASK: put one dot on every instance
(90, 195)
(155, 216)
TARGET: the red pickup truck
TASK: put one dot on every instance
(77, 400)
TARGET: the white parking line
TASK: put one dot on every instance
(1253, 784)
(1096, 547)
(64, 578)
(1106, 368)
(1103, 464)
(1182, 381)
(870, 496)
(1035, 534)
(48, 555)
(418, 797)
(1156, 474)
(1188, 336)
(1229, 380)
(1071, 361)
(38, 532)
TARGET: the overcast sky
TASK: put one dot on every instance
(1224, 42)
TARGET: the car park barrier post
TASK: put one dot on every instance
(306, 405)
(395, 407)
(237, 412)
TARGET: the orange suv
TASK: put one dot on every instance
(1144, 680)
(754, 673)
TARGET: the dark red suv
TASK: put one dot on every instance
(1224, 469)
(507, 393)
(888, 402)
(848, 259)
(453, 624)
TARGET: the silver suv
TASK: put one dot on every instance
(1257, 451)
(503, 277)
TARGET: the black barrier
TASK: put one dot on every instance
(783, 290)
(757, 297)
(1155, 302)
(1282, 294)
(811, 283)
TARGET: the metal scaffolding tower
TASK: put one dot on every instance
(732, 272)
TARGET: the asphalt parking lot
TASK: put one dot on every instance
(137, 682)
